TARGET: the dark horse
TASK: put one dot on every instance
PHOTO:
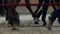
(11, 14)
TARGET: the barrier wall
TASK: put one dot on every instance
(24, 10)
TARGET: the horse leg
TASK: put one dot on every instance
(14, 13)
(59, 19)
(10, 14)
(1, 11)
(28, 6)
(16, 16)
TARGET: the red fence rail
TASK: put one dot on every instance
(1, 5)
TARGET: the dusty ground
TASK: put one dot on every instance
(29, 27)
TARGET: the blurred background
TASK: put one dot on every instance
(24, 10)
